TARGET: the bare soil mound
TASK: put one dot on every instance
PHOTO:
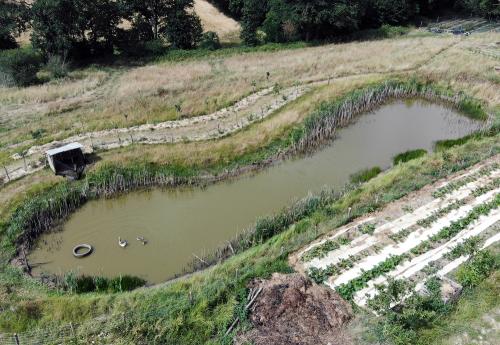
(292, 311)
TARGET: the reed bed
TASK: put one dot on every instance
(322, 124)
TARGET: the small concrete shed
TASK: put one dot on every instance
(67, 160)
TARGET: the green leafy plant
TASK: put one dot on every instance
(476, 269)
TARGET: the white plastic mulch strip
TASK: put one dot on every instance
(426, 210)
(457, 262)
(408, 269)
(343, 252)
(413, 239)
(396, 225)
(340, 232)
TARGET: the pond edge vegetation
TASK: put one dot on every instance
(199, 308)
(53, 203)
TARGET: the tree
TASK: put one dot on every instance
(253, 14)
(484, 8)
(183, 29)
(14, 18)
(75, 28)
(148, 14)
(321, 19)
(396, 12)
(280, 24)
(172, 19)
(58, 26)
(102, 18)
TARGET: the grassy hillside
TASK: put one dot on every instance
(199, 308)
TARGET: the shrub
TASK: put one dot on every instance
(57, 67)
(37, 133)
(442, 145)
(19, 67)
(365, 175)
(476, 269)
(408, 156)
(210, 40)
(154, 47)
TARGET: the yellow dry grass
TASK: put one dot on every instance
(150, 93)
(212, 19)
(101, 98)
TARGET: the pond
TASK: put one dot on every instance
(182, 222)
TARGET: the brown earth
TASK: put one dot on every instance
(290, 310)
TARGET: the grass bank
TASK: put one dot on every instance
(199, 308)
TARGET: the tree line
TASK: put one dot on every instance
(89, 28)
(291, 20)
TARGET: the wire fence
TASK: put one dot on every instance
(61, 335)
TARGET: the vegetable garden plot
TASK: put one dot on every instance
(437, 220)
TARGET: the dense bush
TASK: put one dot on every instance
(476, 269)
(57, 67)
(285, 20)
(210, 40)
(18, 67)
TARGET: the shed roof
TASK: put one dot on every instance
(67, 147)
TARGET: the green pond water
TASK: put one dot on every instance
(181, 222)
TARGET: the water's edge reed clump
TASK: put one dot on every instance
(53, 204)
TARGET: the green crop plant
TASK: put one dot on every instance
(367, 229)
(426, 222)
(323, 249)
(454, 185)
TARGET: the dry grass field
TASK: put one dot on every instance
(103, 98)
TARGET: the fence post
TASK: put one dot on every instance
(6, 172)
(16, 338)
(73, 334)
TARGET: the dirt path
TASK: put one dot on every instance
(250, 109)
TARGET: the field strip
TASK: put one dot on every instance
(337, 234)
(457, 262)
(395, 226)
(415, 265)
(412, 241)
(343, 252)
(410, 219)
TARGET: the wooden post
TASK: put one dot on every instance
(73, 334)
(28, 268)
(16, 338)
(24, 160)
(6, 172)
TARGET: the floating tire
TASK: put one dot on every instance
(87, 249)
